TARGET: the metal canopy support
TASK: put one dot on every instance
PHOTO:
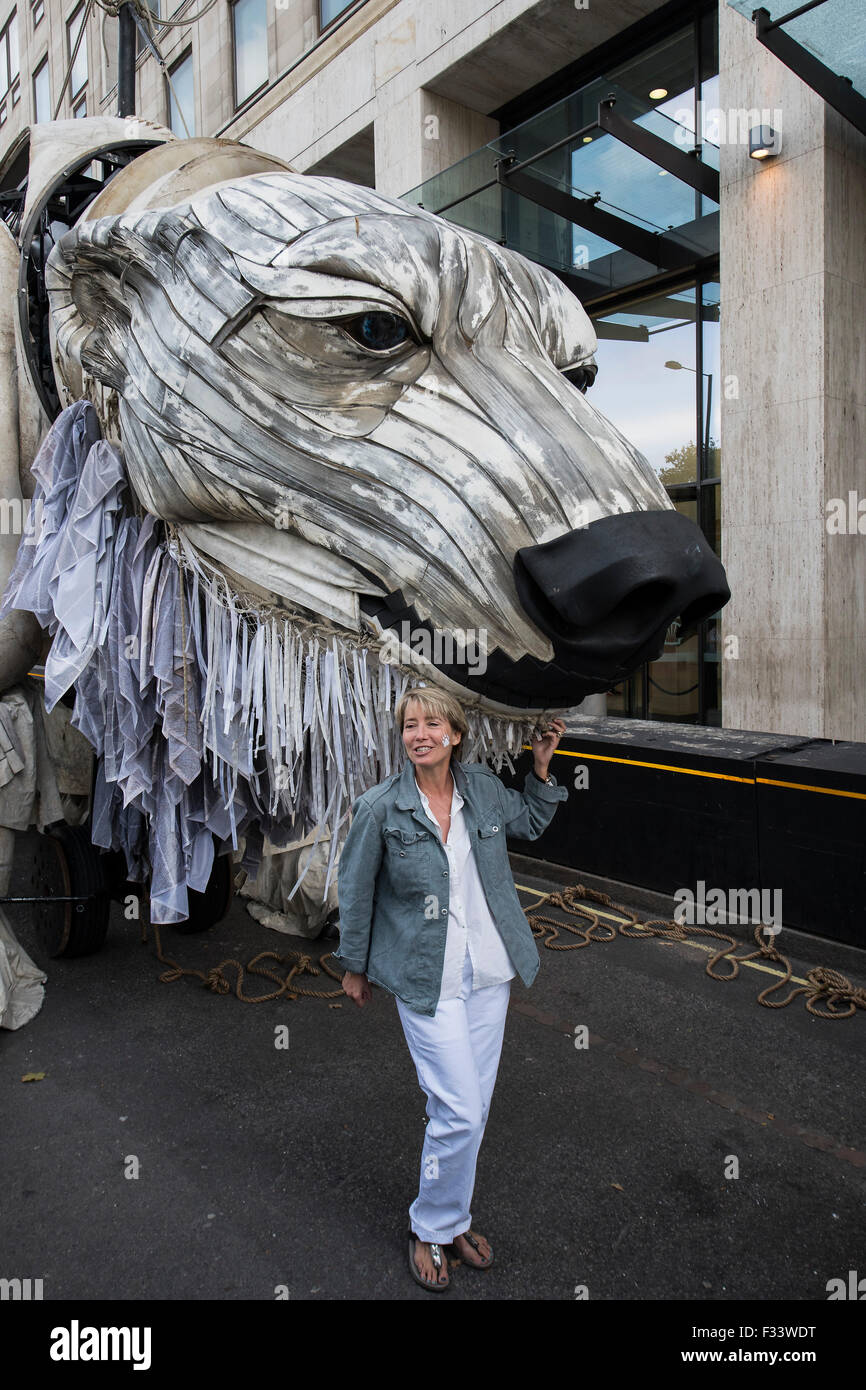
(621, 332)
(837, 91)
(653, 247)
(685, 167)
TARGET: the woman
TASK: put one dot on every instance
(429, 911)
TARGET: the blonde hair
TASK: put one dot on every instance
(434, 701)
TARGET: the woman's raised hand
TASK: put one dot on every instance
(358, 988)
(544, 748)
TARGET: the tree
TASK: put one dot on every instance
(683, 464)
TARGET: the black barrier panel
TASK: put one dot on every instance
(812, 836)
(665, 807)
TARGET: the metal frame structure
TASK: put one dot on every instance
(837, 91)
(654, 247)
(64, 202)
(684, 166)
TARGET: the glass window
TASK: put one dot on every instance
(710, 312)
(652, 346)
(181, 97)
(666, 346)
(81, 109)
(329, 10)
(37, 10)
(78, 76)
(673, 680)
(9, 61)
(250, 36)
(42, 92)
(12, 31)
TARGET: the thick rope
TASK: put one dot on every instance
(830, 985)
(216, 979)
(824, 984)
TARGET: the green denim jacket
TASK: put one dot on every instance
(393, 878)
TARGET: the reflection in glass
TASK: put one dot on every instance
(647, 385)
(181, 98)
(250, 25)
(42, 93)
(673, 680)
(710, 315)
(653, 406)
(13, 57)
(625, 701)
(330, 9)
(78, 76)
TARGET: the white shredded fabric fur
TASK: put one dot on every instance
(214, 716)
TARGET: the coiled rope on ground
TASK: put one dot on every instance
(216, 979)
(823, 983)
(842, 998)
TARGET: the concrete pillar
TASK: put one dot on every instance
(421, 135)
(793, 269)
(594, 705)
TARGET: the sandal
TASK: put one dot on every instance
(439, 1262)
(467, 1235)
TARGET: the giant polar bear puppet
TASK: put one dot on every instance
(318, 443)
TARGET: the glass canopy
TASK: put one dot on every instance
(822, 41)
(607, 186)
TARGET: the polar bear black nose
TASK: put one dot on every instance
(607, 593)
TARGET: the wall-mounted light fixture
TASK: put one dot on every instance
(762, 142)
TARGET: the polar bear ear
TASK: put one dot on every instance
(103, 275)
(89, 313)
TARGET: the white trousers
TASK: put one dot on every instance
(456, 1055)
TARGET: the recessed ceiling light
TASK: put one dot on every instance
(587, 139)
(657, 93)
(662, 173)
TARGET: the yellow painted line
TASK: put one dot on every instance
(523, 889)
(753, 964)
(662, 767)
(699, 772)
(698, 945)
(801, 787)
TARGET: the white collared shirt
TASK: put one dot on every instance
(470, 924)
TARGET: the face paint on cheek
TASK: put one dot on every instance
(445, 740)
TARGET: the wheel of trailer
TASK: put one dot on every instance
(68, 866)
(211, 906)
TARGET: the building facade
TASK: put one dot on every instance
(615, 142)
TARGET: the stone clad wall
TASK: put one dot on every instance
(793, 265)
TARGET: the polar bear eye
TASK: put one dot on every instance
(377, 331)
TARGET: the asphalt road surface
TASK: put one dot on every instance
(699, 1147)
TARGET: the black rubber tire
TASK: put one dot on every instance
(85, 924)
(211, 906)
